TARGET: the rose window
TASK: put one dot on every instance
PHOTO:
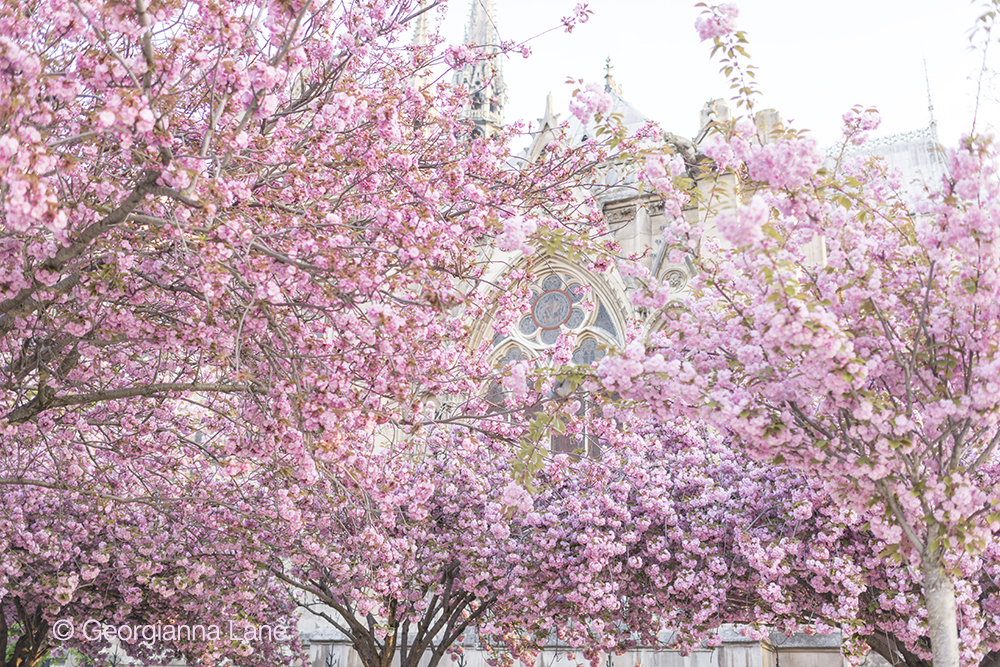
(552, 309)
(554, 304)
(560, 302)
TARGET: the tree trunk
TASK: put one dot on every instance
(31, 645)
(939, 595)
(991, 659)
(894, 652)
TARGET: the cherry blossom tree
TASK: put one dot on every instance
(79, 573)
(233, 234)
(841, 329)
(412, 557)
(690, 534)
(249, 221)
(428, 544)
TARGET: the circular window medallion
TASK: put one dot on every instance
(551, 309)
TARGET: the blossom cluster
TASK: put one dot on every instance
(590, 101)
(717, 21)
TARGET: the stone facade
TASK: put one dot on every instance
(327, 648)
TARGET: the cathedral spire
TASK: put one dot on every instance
(481, 29)
(421, 39)
(483, 79)
(610, 85)
(938, 150)
(422, 28)
(930, 105)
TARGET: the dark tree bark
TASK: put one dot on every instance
(449, 614)
(32, 644)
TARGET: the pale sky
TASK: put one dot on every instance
(815, 59)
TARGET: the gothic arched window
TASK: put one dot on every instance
(562, 301)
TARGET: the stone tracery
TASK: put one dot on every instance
(563, 300)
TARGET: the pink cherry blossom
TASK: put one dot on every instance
(743, 226)
(717, 21)
(590, 101)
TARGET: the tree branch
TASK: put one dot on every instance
(46, 399)
(83, 241)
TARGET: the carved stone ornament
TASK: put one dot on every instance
(676, 278)
(623, 214)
